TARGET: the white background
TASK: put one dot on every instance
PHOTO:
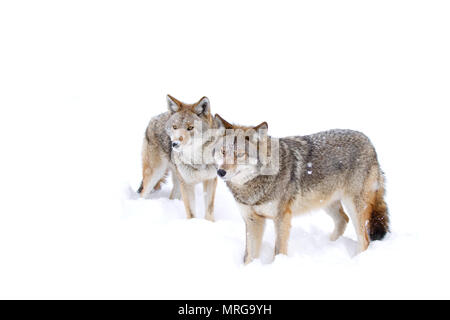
(79, 81)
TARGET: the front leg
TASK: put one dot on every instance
(282, 229)
(176, 192)
(209, 191)
(188, 195)
(254, 227)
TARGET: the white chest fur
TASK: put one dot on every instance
(268, 209)
(191, 166)
(197, 174)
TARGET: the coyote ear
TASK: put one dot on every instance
(259, 131)
(221, 122)
(202, 107)
(173, 104)
(218, 122)
(261, 126)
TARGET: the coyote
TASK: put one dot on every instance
(169, 144)
(330, 170)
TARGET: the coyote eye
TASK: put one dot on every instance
(174, 127)
(190, 128)
(223, 152)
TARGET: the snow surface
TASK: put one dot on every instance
(79, 82)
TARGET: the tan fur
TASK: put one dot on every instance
(151, 161)
(365, 208)
(282, 229)
(188, 196)
(254, 226)
(209, 192)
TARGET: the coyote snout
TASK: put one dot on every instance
(180, 137)
(221, 173)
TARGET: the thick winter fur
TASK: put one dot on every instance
(329, 170)
(169, 145)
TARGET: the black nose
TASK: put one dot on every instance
(175, 144)
(221, 172)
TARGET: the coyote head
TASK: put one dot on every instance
(241, 147)
(187, 121)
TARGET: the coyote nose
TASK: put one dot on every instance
(175, 144)
(221, 173)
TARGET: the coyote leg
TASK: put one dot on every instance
(209, 191)
(254, 226)
(152, 177)
(176, 192)
(154, 169)
(188, 195)
(336, 212)
(360, 213)
(282, 230)
(161, 181)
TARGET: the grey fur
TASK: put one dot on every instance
(338, 158)
(156, 132)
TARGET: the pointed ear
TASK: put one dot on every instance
(202, 107)
(221, 122)
(261, 126)
(257, 134)
(173, 104)
(218, 122)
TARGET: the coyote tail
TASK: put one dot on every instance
(379, 219)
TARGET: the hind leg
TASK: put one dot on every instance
(360, 211)
(161, 181)
(152, 179)
(154, 168)
(336, 212)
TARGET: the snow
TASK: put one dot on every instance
(80, 81)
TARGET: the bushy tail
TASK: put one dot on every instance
(379, 220)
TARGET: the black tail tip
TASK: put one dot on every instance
(377, 232)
